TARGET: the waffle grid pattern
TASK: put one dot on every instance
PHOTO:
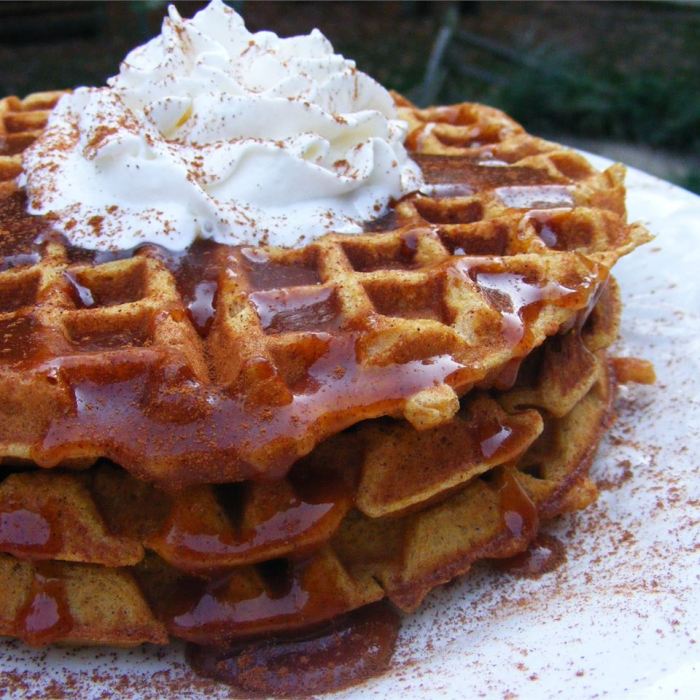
(290, 333)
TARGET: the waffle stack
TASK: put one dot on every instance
(229, 442)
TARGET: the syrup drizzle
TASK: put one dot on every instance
(535, 197)
(192, 544)
(518, 512)
(225, 607)
(28, 533)
(16, 339)
(469, 171)
(281, 594)
(83, 295)
(502, 440)
(493, 443)
(519, 299)
(109, 412)
(196, 272)
(544, 554)
(202, 305)
(264, 274)
(45, 616)
(309, 309)
(20, 232)
(339, 654)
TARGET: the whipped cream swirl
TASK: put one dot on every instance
(212, 131)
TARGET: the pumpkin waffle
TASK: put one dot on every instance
(246, 441)
(102, 543)
(191, 564)
(225, 364)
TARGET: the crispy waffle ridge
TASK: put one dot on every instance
(227, 364)
(379, 510)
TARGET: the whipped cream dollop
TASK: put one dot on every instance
(212, 131)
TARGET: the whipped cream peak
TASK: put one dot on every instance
(212, 131)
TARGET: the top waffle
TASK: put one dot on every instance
(221, 364)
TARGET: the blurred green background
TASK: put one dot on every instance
(617, 78)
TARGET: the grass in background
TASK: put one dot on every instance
(624, 72)
(658, 109)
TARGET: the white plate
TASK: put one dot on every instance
(620, 618)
